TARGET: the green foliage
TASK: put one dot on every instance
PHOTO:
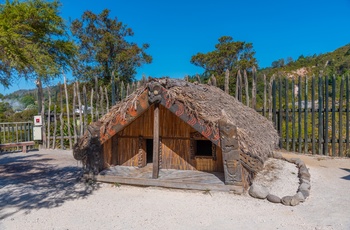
(27, 100)
(228, 54)
(25, 115)
(103, 48)
(5, 111)
(33, 40)
(332, 63)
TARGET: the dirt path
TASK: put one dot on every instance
(39, 190)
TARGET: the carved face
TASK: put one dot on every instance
(154, 92)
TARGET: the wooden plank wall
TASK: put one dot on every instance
(123, 149)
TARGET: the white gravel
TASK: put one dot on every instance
(39, 190)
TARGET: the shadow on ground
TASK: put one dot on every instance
(348, 176)
(34, 181)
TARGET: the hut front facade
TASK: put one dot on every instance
(173, 124)
(180, 145)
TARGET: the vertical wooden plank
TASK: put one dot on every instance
(237, 85)
(227, 79)
(280, 119)
(3, 133)
(101, 101)
(333, 115)
(122, 91)
(96, 99)
(128, 89)
(107, 100)
(28, 138)
(198, 78)
(293, 115)
(17, 133)
(85, 109)
(155, 172)
(347, 114)
(92, 105)
(21, 132)
(306, 145)
(246, 84)
(340, 153)
(299, 115)
(313, 115)
(68, 114)
(287, 112)
(74, 113)
(113, 88)
(326, 117)
(61, 119)
(240, 87)
(80, 110)
(270, 97)
(274, 103)
(49, 121)
(54, 126)
(320, 118)
(254, 89)
(264, 105)
(12, 133)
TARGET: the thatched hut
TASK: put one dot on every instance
(179, 125)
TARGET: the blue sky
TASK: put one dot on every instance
(176, 30)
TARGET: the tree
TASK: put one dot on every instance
(103, 48)
(229, 55)
(33, 42)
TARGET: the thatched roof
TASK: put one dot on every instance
(210, 104)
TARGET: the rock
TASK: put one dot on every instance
(293, 160)
(286, 200)
(301, 164)
(274, 199)
(304, 173)
(277, 155)
(304, 181)
(258, 191)
(294, 201)
(304, 186)
(306, 193)
(299, 196)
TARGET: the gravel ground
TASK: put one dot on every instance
(42, 190)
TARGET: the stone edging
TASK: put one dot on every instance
(303, 190)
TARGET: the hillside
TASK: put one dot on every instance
(336, 62)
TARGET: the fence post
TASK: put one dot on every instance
(254, 88)
(293, 114)
(68, 114)
(340, 153)
(333, 115)
(306, 142)
(313, 114)
(320, 120)
(299, 115)
(264, 108)
(246, 84)
(287, 113)
(280, 119)
(347, 115)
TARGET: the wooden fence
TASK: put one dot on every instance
(14, 132)
(310, 114)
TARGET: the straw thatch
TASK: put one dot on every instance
(209, 104)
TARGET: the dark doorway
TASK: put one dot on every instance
(149, 144)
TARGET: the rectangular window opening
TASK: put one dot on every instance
(203, 148)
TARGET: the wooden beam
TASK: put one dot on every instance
(156, 142)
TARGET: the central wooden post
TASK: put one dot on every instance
(156, 142)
